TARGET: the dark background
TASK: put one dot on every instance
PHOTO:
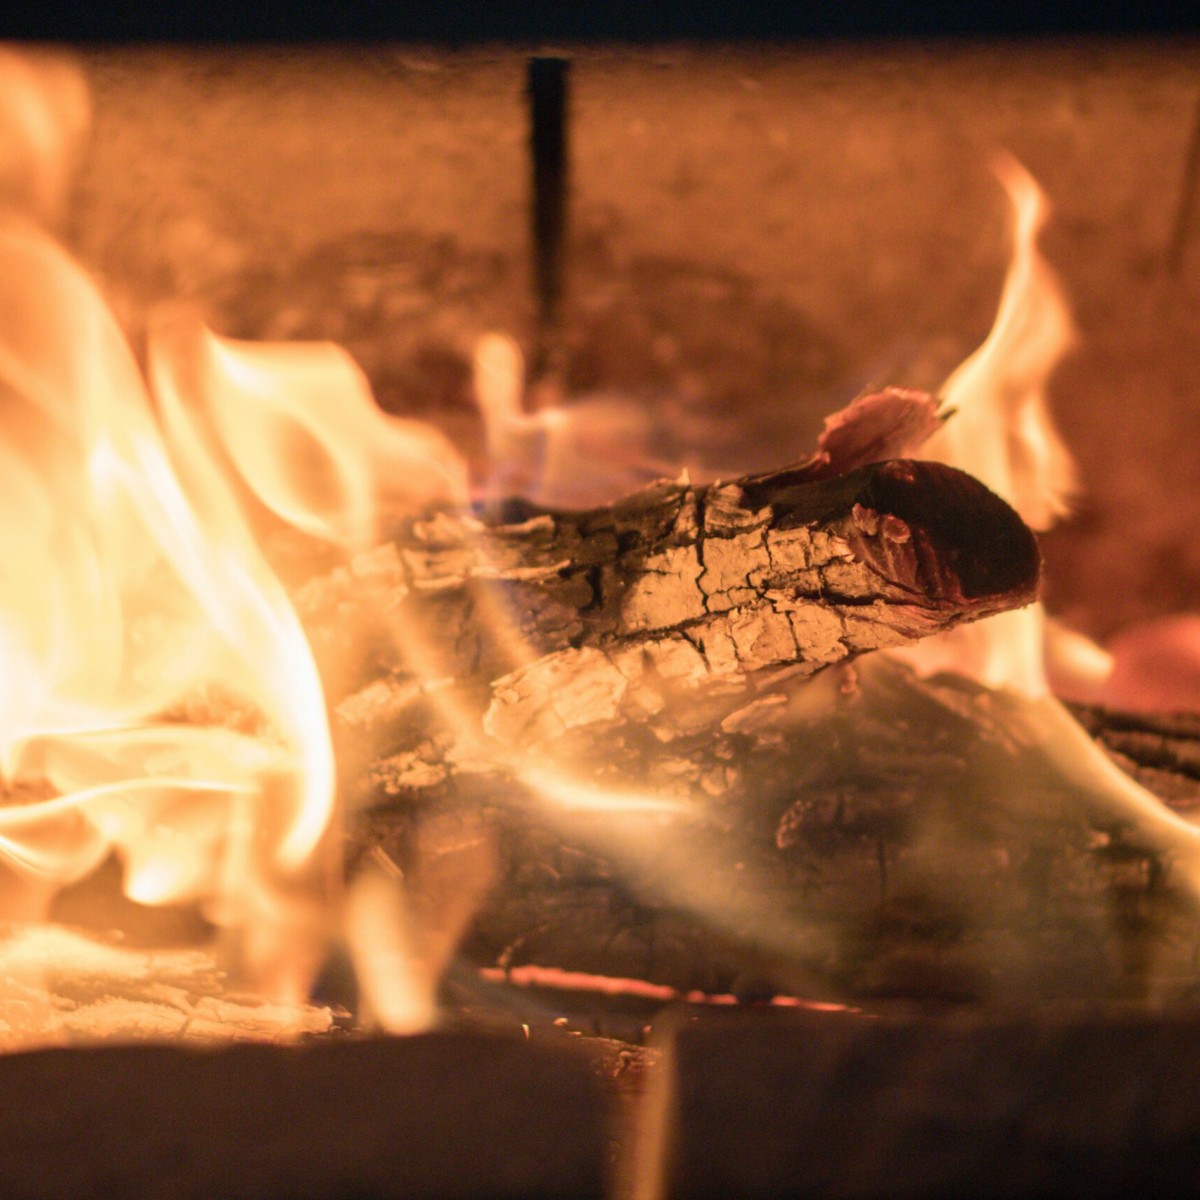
(460, 22)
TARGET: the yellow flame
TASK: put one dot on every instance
(1001, 432)
(159, 699)
(581, 454)
(131, 586)
(300, 423)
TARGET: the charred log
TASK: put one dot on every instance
(662, 614)
(876, 837)
(624, 701)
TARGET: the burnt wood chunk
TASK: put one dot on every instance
(864, 835)
(661, 650)
(440, 1116)
(1048, 1104)
(666, 610)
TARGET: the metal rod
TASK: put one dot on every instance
(548, 90)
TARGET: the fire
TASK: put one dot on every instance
(1001, 432)
(161, 702)
(132, 593)
(44, 116)
(566, 455)
(301, 426)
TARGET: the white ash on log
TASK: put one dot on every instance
(64, 986)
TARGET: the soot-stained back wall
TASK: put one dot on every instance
(757, 233)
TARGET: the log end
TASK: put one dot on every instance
(939, 531)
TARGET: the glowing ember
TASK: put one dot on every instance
(555, 979)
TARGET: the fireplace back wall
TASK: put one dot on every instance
(756, 234)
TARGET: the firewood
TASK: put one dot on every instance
(1095, 1103)
(625, 700)
(1160, 750)
(664, 612)
(628, 702)
(881, 835)
(664, 647)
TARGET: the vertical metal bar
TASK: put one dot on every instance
(548, 91)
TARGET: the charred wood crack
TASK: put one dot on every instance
(575, 623)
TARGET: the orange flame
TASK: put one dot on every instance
(1001, 432)
(303, 429)
(585, 453)
(131, 589)
(160, 701)
(172, 601)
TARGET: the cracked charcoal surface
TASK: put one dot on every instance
(674, 605)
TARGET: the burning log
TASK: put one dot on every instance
(728, 821)
(881, 836)
(856, 834)
(668, 610)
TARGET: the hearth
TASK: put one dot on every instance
(689, 359)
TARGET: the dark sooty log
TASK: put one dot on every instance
(1048, 1104)
(436, 1116)
(879, 839)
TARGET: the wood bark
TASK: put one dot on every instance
(460, 641)
(879, 836)
(625, 704)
